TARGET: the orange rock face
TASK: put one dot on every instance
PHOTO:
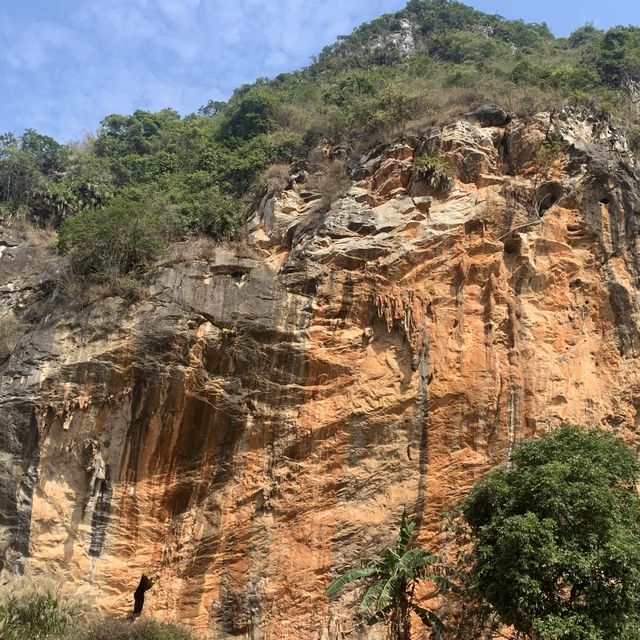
(258, 421)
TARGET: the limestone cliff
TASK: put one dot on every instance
(260, 417)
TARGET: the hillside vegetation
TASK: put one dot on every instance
(146, 179)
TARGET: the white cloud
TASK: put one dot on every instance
(63, 76)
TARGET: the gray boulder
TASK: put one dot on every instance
(489, 115)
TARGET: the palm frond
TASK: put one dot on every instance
(390, 558)
(350, 576)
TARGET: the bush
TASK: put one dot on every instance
(463, 46)
(332, 184)
(434, 172)
(557, 538)
(118, 629)
(617, 57)
(121, 238)
(240, 166)
(254, 113)
(35, 614)
(19, 176)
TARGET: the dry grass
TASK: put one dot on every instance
(275, 178)
(41, 610)
(103, 628)
(332, 183)
(35, 611)
(11, 330)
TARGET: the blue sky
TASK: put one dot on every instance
(65, 64)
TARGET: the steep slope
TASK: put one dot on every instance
(259, 419)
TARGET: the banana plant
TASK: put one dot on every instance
(390, 583)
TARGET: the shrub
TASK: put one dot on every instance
(464, 46)
(254, 113)
(118, 629)
(548, 155)
(242, 164)
(19, 176)
(332, 184)
(35, 614)
(119, 239)
(584, 35)
(49, 155)
(434, 172)
(276, 177)
(633, 139)
(219, 215)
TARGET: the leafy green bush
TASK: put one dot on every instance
(50, 156)
(119, 239)
(140, 133)
(254, 113)
(463, 46)
(19, 176)
(240, 166)
(35, 614)
(557, 537)
(617, 57)
(586, 34)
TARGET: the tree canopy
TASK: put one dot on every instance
(557, 538)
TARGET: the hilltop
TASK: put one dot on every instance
(171, 177)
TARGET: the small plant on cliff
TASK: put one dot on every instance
(390, 583)
(547, 156)
(557, 538)
(434, 172)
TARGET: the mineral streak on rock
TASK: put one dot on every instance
(260, 418)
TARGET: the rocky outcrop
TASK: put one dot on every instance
(260, 417)
(400, 37)
(489, 115)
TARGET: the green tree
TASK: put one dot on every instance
(390, 583)
(19, 176)
(50, 156)
(618, 56)
(557, 538)
(254, 113)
